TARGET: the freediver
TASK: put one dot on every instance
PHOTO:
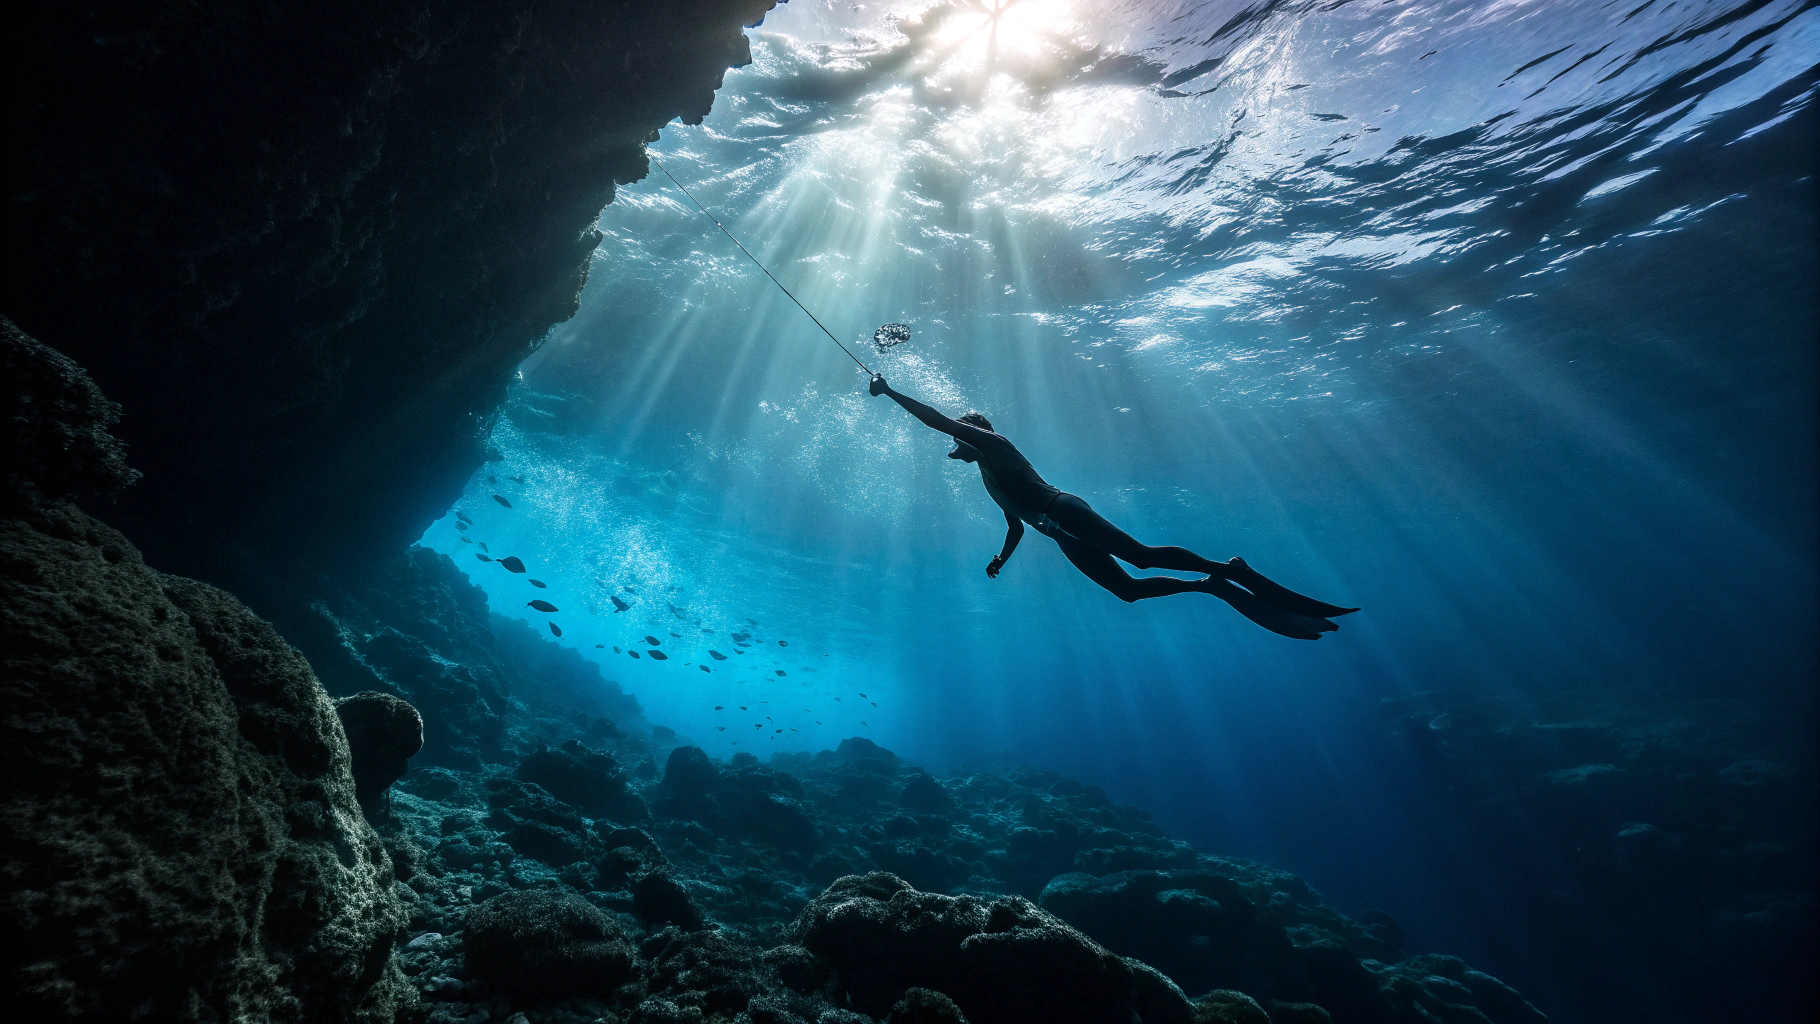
(1091, 542)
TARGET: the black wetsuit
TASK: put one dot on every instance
(1091, 543)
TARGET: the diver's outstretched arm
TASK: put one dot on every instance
(934, 420)
(1014, 532)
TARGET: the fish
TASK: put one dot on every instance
(738, 651)
(462, 517)
(615, 650)
(837, 698)
(482, 557)
(753, 621)
(658, 655)
(874, 703)
(542, 606)
(864, 697)
(742, 707)
(781, 672)
(741, 636)
(678, 612)
(677, 635)
(717, 656)
(618, 605)
(483, 545)
(717, 707)
(539, 584)
(633, 653)
(502, 501)
(758, 725)
(720, 728)
(653, 641)
(512, 563)
(792, 730)
(705, 668)
(705, 629)
(862, 721)
(465, 540)
(459, 525)
(555, 629)
(490, 479)
(601, 646)
(780, 730)
(783, 643)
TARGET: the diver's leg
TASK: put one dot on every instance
(1099, 567)
(1079, 519)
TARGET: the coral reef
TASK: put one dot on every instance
(179, 832)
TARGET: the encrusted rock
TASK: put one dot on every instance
(54, 439)
(1006, 960)
(383, 734)
(545, 944)
(179, 829)
(925, 1006)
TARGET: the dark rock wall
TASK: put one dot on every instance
(179, 837)
(305, 245)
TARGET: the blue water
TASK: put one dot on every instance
(1494, 318)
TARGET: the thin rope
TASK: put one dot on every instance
(761, 266)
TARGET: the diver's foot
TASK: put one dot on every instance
(1281, 596)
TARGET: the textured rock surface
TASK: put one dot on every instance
(546, 944)
(179, 836)
(180, 832)
(1006, 960)
(56, 441)
(305, 245)
(383, 733)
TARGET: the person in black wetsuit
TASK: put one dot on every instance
(1091, 542)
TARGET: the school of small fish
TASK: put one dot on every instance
(741, 639)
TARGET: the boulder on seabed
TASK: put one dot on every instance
(546, 944)
(587, 778)
(384, 733)
(925, 1006)
(1003, 961)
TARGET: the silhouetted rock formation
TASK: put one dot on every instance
(56, 442)
(383, 733)
(179, 833)
(306, 245)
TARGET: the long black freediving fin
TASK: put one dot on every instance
(1274, 593)
(1277, 620)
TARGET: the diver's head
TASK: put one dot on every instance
(964, 451)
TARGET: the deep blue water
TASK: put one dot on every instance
(1495, 318)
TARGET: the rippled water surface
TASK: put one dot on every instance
(1495, 318)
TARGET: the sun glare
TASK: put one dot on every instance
(980, 31)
